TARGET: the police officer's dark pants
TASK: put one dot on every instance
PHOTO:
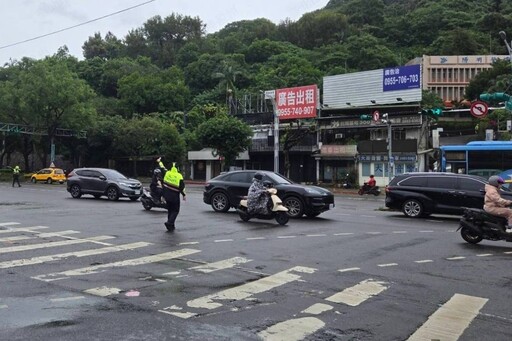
(16, 178)
(173, 205)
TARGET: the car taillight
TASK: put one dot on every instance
(387, 189)
(70, 174)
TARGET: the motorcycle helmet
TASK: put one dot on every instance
(496, 180)
(157, 171)
(258, 176)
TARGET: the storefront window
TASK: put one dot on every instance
(399, 168)
(367, 171)
(379, 170)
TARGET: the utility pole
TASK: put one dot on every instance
(391, 161)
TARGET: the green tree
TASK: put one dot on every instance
(291, 136)
(227, 135)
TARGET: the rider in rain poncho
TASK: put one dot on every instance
(257, 197)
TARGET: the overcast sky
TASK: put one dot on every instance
(22, 20)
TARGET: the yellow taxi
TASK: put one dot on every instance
(49, 175)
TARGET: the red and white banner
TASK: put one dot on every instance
(296, 103)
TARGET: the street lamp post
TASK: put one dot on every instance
(503, 36)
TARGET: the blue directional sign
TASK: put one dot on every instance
(401, 78)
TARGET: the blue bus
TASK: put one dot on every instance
(483, 158)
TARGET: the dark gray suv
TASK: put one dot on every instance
(421, 194)
(102, 182)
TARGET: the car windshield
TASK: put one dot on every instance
(59, 171)
(113, 174)
(278, 179)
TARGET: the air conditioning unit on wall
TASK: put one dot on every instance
(338, 136)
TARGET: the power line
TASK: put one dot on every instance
(74, 26)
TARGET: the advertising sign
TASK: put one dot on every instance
(401, 78)
(297, 103)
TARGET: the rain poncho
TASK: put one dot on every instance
(257, 198)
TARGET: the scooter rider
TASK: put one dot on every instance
(257, 197)
(495, 204)
(157, 179)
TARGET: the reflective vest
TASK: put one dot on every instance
(173, 178)
(16, 170)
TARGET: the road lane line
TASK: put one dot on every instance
(189, 243)
(316, 235)
(292, 330)
(423, 261)
(24, 229)
(397, 232)
(103, 291)
(387, 265)
(129, 262)
(286, 237)
(62, 299)
(359, 293)
(52, 244)
(256, 238)
(484, 255)
(222, 240)
(246, 290)
(427, 231)
(375, 232)
(449, 321)
(344, 234)
(221, 265)
(51, 258)
(349, 269)
(456, 258)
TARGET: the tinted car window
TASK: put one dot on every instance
(112, 174)
(470, 185)
(239, 177)
(414, 181)
(445, 182)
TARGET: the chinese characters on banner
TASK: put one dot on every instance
(299, 102)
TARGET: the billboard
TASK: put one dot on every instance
(296, 103)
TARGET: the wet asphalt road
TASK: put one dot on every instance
(92, 269)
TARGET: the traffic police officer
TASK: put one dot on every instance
(16, 175)
(173, 186)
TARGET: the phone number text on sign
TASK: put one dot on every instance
(299, 102)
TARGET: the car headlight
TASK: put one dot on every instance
(125, 184)
(313, 191)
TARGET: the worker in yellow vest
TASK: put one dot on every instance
(16, 175)
(173, 186)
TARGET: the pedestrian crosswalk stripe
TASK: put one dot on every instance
(52, 244)
(246, 290)
(130, 262)
(292, 330)
(84, 253)
(103, 291)
(359, 293)
(317, 309)
(221, 265)
(42, 235)
(450, 320)
(9, 223)
(24, 229)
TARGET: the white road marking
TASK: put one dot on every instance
(221, 265)
(349, 269)
(12, 239)
(183, 315)
(286, 237)
(9, 223)
(449, 321)
(56, 234)
(52, 244)
(24, 229)
(51, 258)
(246, 290)
(317, 309)
(316, 235)
(400, 232)
(423, 261)
(456, 258)
(427, 231)
(387, 265)
(189, 243)
(223, 240)
(507, 252)
(255, 238)
(74, 298)
(359, 293)
(292, 330)
(374, 232)
(484, 255)
(129, 262)
(344, 234)
(103, 291)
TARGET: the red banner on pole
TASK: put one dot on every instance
(297, 103)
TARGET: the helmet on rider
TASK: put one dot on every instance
(258, 176)
(496, 180)
(157, 171)
(372, 176)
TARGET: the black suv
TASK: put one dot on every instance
(421, 194)
(226, 191)
(102, 181)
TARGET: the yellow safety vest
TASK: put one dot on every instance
(173, 178)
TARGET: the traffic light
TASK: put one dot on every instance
(365, 117)
(495, 97)
(434, 112)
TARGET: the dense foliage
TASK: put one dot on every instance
(161, 82)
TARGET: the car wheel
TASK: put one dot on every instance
(112, 193)
(295, 207)
(312, 214)
(49, 180)
(97, 196)
(75, 191)
(220, 202)
(412, 208)
(470, 236)
(33, 180)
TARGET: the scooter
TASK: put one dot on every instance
(149, 201)
(365, 189)
(346, 182)
(275, 206)
(476, 225)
